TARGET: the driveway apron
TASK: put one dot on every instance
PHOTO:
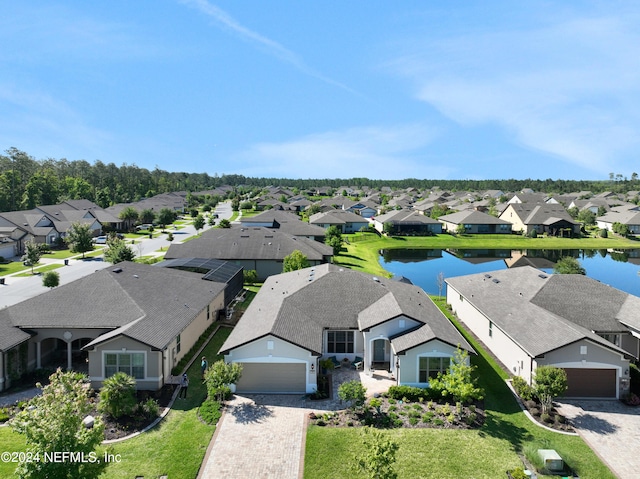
(257, 441)
(611, 429)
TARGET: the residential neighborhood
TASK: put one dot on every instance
(146, 319)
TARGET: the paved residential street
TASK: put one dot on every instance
(17, 289)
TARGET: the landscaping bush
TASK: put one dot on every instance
(210, 412)
(118, 395)
(522, 388)
(353, 392)
(413, 394)
(149, 408)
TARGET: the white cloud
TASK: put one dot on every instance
(271, 46)
(371, 152)
(568, 88)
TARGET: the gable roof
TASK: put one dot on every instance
(472, 217)
(337, 217)
(406, 217)
(540, 213)
(299, 305)
(154, 304)
(237, 243)
(507, 298)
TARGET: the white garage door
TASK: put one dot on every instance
(272, 378)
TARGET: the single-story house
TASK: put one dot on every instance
(629, 217)
(286, 222)
(529, 318)
(346, 221)
(129, 317)
(259, 249)
(327, 311)
(475, 222)
(403, 222)
(549, 218)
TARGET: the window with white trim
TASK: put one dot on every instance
(178, 344)
(130, 363)
(340, 342)
(430, 367)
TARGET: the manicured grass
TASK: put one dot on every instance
(484, 453)
(175, 447)
(250, 213)
(40, 270)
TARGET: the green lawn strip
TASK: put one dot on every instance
(58, 254)
(234, 216)
(250, 213)
(40, 269)
(176, 446)
(10, 442)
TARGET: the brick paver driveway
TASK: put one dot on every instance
(611, 429)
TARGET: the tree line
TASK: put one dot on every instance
(26, 182)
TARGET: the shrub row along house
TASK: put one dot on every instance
(327, 311)
(528, 318)
(130, 317)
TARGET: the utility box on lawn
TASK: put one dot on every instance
(552, 460)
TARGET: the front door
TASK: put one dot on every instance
(378, 351)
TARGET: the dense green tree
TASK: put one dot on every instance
(52, 423)
(166, 216)
(250, 276)
(219, 376)
(333, 238)
(129, 215)
(224, 223)
(147, 216)
(458, 381)
(438, 210)
(295, 261)
(587, 217)
(79, 238)
(568, 265)
(51, 279)
(549, 383)
(118, 251)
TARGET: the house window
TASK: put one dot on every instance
(340, 342)
(490, 329)
(208, 311)
(430, 367)
(129, 363)
(270, 345)
(612, 338)
(178, 344)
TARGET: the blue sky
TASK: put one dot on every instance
(327, 89)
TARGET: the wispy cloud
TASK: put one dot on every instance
(270, 46)
(372, 152)
(569, 88)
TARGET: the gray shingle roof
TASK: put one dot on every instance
(160, 302)
(248, 243)
(506, 298)
(472, 217)
(298, 306)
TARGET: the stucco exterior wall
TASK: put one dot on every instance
(384, 331)
(270, 349)
(513, 357)
(410, 361)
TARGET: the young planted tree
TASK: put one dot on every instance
(32, 254)
(219, 376)
(440, 283)
(377, 457)
(53, 423)
(79, 238)
(51, 279)
(198, 222)
(549, 383)
(352, 392)
(295, 261)
(458, 381)
(250, 276)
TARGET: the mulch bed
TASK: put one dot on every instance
(405, 414)
(126, 425)
(552, 419)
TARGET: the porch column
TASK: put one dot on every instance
(38, 354)
(67, 337)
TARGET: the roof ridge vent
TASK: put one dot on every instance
(495, 280)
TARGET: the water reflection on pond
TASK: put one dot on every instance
(620, 269)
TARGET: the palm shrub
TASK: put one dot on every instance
(118, 395)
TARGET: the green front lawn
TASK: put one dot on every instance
(39, 270)
(450, 454)
(175, 447)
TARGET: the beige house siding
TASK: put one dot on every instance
(410, 362)
(512, 217)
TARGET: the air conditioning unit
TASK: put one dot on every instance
(552, 460)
